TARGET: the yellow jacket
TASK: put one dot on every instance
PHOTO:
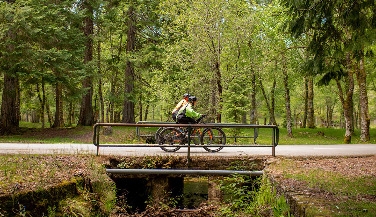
(182, 103)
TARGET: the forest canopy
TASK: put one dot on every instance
(287, 63)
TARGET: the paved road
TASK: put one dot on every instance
(281, 150)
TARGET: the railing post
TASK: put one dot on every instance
(95, 136)
(273, 141)
(255, 135)
(189, 147)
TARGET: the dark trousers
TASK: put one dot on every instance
(185, 120)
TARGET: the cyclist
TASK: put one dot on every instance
(182, 103)
(186, 114)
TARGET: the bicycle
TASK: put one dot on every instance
(177, 136)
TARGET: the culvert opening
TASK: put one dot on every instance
(132, 194)
(178, 189)
(195, 192)
(178, 192)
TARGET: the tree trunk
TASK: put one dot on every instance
(329, 115)
(146, 112)
(215, 48)
(86, 112)
(347, 102)
(269, 103)
(356, 117)
(213, 101)
(140, 106)
(112, 113)
(100, 91)
(42, 101)
(272, 100)
(70, 114)
(253, 112)
(49, 115)
(59, 121)
(287, 98)
(310, 108)
(305, 112)
(363, 101)
(108, 113)
(218, 78)
(128, 107)
(10, 105)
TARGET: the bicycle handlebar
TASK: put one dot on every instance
(199, 120)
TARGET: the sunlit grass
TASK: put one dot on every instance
(306, 136)
(320, 136)
(301, 136)
(48, 135)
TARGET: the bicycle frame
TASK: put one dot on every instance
(177, 137)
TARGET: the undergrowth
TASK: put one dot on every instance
(251, 197)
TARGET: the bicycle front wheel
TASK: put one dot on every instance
(169, 136)
(213, 137)
(196, 136)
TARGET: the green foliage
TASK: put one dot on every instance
(242, 165)
(337, 29)
(236, 101)
(200, 47)
(257, 199)
(149, 162)
(48, 40)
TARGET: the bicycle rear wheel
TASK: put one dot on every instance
(157, 134)
(169, 136)
(213, 136)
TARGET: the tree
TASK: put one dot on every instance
(10, 108)
(86, 112)
(235, 98)
(337, 28)
(287, 96)
(128, 107)
(48, 44)
(199, 42)
(310, 104)
(345, 87)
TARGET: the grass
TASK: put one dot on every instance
(320, 136)
(41, 173)
(32, 133)
(301, 136)
(329, 192)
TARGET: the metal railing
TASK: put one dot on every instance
(274, 136)
(235, 137)
(184, 172)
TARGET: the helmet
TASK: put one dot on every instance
(192, 98)
(186, 95)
